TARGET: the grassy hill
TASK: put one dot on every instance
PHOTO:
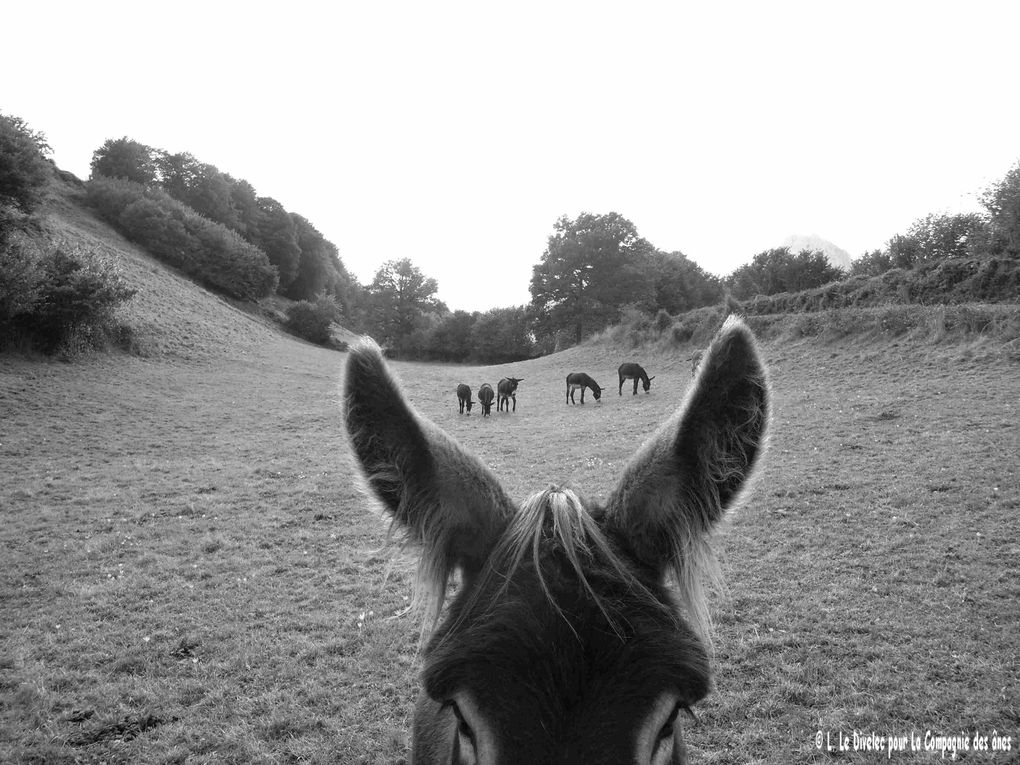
(170, 315)
(192, 575)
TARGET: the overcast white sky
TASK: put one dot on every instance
(456, 134)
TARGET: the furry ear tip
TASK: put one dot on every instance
(363, 355)
(735, 325)
(364, 346)
(735, 333)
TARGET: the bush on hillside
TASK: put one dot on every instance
(311, 320)
(663, 320)
(955, 280)
(933, 322)
(125, 158)
(21, 272)
(54, 297)
(178, 236)
(1002, 201)
(24, 170)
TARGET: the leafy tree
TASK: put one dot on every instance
(127, 159)
(24, 169)
(450, 338)
(245, 203)
(276, 234)
(208, 191)
(177, 235)
(592, 266)
(501, 335)
(937, 237)
(400, 295)
(779, 270)
(681, 284)
(177, 173)
(210, 195)
(871, 263)
(319, 267)
(1002, 201)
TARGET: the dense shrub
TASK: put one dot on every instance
(450, 338)
(24, 170)
(663, 320)
(779, 271)
(501, 335)
(124, 158)
(21, 272)
(311, 320)
(1002, 201)
(178, 236)
(55, 296)
(950, 281)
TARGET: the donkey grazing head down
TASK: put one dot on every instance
(577, 632)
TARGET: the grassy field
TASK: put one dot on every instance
(190, 574)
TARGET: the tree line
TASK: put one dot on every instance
(307, 265)
(595, 268)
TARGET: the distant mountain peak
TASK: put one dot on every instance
(837, 255)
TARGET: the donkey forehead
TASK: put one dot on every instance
(540, 655)
(564, 623)
(541, 686)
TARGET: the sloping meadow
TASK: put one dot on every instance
(191, 573)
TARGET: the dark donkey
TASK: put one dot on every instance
(634, 372)
(507, 389)
(464, 398)
(580, 380)
(577, 633)
(485, 396)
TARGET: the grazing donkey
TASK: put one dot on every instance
(634, 372)
(580, 380)
(485, 396)
(507, 389)
(464, 398)
(577, 631)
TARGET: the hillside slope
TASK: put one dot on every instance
(170, 315)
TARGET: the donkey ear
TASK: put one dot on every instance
(442, 496)
(679, 484)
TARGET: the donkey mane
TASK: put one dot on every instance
(556, 524)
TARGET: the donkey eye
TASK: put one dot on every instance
(464, 746)
(463, 728)
(670, 724)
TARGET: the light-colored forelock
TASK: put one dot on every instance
(557, 516)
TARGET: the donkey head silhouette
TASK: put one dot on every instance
(577, 633)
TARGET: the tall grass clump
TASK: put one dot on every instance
(175, 234)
